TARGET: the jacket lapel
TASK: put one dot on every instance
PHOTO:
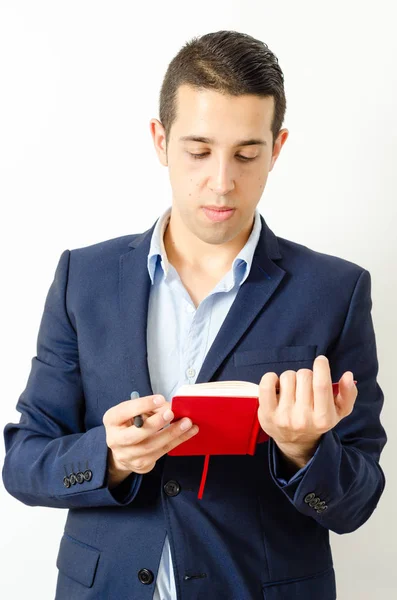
(261, 283)
(134, 290)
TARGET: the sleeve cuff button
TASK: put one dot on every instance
(87, 475)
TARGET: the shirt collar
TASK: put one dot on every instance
(243, 259)
(246, 254)
(157, 249)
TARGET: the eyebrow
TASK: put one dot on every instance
(205, 140)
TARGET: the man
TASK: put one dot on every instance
(208, 293)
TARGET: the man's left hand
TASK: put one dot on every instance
(304, 409)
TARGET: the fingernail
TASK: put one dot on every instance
(185, 424)
(167, 415)
(158, 400)
(322, 357)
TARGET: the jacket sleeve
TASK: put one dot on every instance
(279, 468)
(343, 482)
(50, 441)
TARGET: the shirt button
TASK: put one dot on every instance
(190, 372)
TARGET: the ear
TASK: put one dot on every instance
(158, 134)
(280, 141)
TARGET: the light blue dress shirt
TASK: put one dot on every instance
(179, 337)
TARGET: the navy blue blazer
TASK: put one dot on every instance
(250, 537)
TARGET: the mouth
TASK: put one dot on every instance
(217, 214)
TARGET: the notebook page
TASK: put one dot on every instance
(220, 388)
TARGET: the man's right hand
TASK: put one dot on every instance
(136, 449)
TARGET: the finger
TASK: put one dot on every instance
(138, 420)
(323, 398)
(268, 397)
(153, 439)
(146, 416)
(347, 395)
(123, 412)
(152, 424)
(304, 390)
(175, 435)
(159, 444)
(287, 389)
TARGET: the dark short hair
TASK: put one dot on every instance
(229, 62)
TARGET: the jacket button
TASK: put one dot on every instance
(66, 482)
(145, 576)
(79, 477)
(72, 479)
(313, 503)
(172, 488)
(309, 497)
(87, 475)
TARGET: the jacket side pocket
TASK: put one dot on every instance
(319, 586)
(77, 560)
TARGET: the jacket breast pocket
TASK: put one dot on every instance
(77, 560)
(250, 365)
(274, 354)
(321, 586)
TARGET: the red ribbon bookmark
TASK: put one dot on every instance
(203, 476)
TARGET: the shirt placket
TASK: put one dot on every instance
(195, 332)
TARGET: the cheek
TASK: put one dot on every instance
(183, 181)
(261, 180)
(253, 183)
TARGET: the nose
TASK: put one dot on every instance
(223, 181)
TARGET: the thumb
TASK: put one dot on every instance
(344, 401)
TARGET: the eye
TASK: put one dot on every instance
(239, 156)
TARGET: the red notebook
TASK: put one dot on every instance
(226, 413)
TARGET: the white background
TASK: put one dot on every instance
(79, 83)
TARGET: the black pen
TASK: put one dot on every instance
(138, 420)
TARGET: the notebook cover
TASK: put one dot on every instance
(228, 424)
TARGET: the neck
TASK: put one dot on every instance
(186, 250)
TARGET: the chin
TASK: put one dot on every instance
(215, 237)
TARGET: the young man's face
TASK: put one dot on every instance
(229, 175)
